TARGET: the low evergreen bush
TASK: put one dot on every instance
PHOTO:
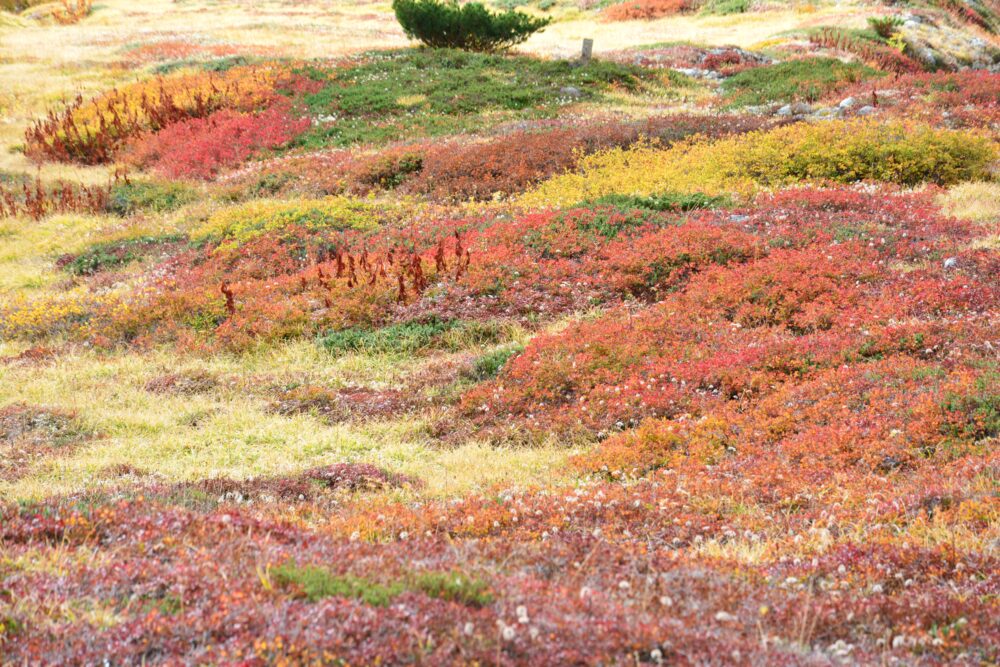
(446, 24)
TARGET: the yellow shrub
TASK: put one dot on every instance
(67, 313)
(240, 224)
(841, 151)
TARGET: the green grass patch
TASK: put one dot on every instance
(239, 224)
(222, 64)
(414, 337)
(725, 7)
(489, 365)
(666, 201)
(403, 93)
(974, 415)
(316, 583)
(454, 587)
(114, 254)
(807, 79)
(150, 196)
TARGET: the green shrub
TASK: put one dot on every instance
(109, 255)
(156, 197)
(885, 26)
(413, 337)
(405, 338)
(806, 79)
(974, 415)
(445, 23)
(490, 364)
(316, 583)
(454, 587)
(666, 201)
(725, 7)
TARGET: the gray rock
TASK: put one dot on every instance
(866, 110)
(801, 108)
(951, 263)
(828, 113)
(847, 103)
(570, 91)
(785, 110)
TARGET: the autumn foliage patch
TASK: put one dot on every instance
(480, 169)
(967, 99)
(201, 147)
(647, 9)
(524, 372)
(821, 289)
(94, 131)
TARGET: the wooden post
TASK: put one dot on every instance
(588, 51)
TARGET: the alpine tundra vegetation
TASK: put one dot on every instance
(426, 332)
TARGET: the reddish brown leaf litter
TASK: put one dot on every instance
(337, 405)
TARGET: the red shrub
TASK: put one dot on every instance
(200, 147)
(821, 295)
(631, 10)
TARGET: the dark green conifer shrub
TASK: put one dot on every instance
(447, 24)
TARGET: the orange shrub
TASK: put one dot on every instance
(632, 10)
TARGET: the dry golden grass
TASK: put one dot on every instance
(228, 430)
(564, 38)
(974, 201)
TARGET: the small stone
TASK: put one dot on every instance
(951, 263)
(522, 615)
(724, 617)
(785, 110)
(847, 103)
(866, 110)
(570, 91)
